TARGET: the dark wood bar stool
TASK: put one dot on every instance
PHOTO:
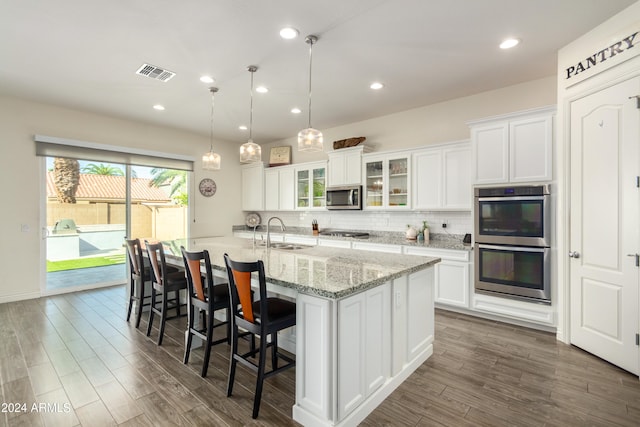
(163, 282)
(139, 275)
(207, 298)
(264, 317)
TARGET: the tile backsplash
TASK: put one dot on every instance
(457, 222)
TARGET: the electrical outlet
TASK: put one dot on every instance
(444, 224)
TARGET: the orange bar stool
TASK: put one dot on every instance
(264, 317)
(207, 298)
(163, 283)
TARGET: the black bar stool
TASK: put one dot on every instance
(163, 282)
(206, 297)
(264, 317)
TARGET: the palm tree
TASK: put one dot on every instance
(102, 169)
(66, 176)
(176, 179)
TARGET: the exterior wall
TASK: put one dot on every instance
(603, 75)
(159, 222)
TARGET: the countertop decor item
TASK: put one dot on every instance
(211, 160)
(411, 233)
(207, 187)
(349, 142)
(253, 219)
(280, 156)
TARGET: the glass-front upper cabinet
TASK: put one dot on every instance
(386, 181)
(311, 184)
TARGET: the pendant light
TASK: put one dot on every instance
(211, 160)
(250, 152)
(310, 139)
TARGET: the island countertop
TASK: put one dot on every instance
(315, 270)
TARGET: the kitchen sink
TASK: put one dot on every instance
(288, 246)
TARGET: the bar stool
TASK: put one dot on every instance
(163, 282)
(206, 297)
(139, 275)
(264, 317)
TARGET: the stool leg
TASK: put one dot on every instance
(207, 349)
(187, 350)
(232, 359)
(140, 304)
(163, 316)
(152, 310)
(274, 350)
(131, 295)
(262, 359)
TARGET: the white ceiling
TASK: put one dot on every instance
(84, 54)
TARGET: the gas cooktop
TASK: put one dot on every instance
(344, 233)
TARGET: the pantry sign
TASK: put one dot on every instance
(604, 56)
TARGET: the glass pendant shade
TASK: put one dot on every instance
(310, 139)
(211, 160)
(250, 152)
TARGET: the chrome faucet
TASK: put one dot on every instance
(254, 234)
(282, 227)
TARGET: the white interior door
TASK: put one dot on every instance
(604, 224)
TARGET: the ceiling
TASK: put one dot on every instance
(84, 55)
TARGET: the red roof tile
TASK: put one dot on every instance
(105, 187)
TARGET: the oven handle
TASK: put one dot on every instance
(509, 198)
(512, 248)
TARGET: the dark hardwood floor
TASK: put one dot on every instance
(81, 363)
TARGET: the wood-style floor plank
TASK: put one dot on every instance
(77, 348)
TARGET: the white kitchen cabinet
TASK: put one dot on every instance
(279, 188)
(386, 181)
(452, 284)
(513, 148)
(252, 177)
(310, 186)
(365, 336)
(441, 178)
(345, 166)
(377, 247)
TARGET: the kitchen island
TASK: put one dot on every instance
(364, 320)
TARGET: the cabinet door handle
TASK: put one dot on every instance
(637, 257)
(574, 254)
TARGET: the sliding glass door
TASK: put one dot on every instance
(92, 206)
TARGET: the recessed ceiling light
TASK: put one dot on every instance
(509, 43)
(296, 110)
(262, 89)
(242, 127)
(376, 86)
(289, 33)
(206, 79)
(158, 107)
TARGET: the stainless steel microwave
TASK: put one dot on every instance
(348, 197)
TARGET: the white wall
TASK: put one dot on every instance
(603, 75)
(21, 170)
(431, 124)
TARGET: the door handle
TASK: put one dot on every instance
(637, 257)
(574, 254)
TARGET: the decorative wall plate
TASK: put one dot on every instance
(207, 187)
(252, 220)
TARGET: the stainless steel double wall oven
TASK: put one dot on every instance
(512, 242)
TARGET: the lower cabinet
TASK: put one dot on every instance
(364, 348)
(451, 275)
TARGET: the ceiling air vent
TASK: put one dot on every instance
(155, 73)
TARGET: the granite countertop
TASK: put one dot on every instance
(327, 272)
(436, 240)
